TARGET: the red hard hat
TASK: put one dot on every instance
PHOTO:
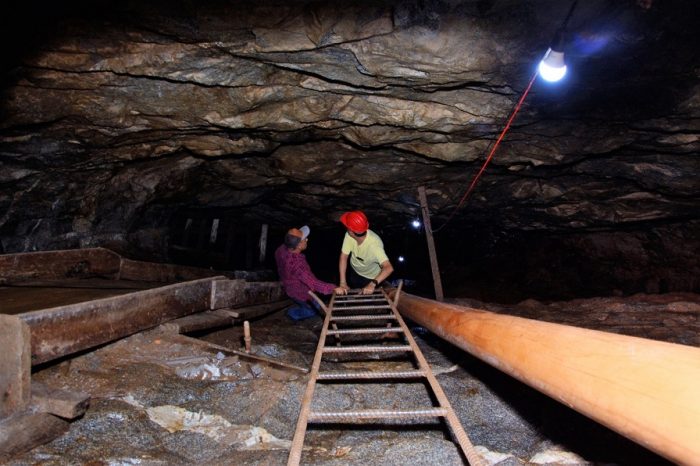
(355, 221)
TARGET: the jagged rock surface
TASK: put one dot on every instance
(118, 115)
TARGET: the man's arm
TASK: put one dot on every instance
(387, 269)
(342, 269)
(306, 276)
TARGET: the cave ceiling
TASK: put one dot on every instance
(115, 115)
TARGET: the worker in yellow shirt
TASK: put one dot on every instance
(363, 248)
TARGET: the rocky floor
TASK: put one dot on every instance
(159, 399)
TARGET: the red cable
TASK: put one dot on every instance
(493, 151)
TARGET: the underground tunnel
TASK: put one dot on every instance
(543, 236)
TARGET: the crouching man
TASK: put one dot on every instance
(296, 275)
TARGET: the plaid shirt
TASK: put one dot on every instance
(296, 276)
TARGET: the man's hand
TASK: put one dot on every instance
(369, 288)
(340, 290)
(344, 286)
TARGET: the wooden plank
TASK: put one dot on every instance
(251, 312)
(63, 403)
(645, 390)
(237, 293)
(199, 321)
(15, 365)
(67, 329)
(52, 265)
(437, 281)
(25, 431)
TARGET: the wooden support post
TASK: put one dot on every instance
(263, 243)
(246, 336)
(431, 244)
(15, 365)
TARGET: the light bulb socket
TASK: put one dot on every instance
(558, 41)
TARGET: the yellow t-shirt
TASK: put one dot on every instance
(366, 257)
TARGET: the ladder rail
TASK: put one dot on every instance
(302, 422)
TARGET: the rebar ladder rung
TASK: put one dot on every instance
(368, 349)
(371, 300)
(359, 308)
(361, 415)
(366, 331)
(365, 317)
(370, 375)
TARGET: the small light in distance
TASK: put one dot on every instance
(401, 258)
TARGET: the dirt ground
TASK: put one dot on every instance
(161, 399)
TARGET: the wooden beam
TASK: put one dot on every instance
(15, 365)
(251, 312)
(645, 390)
(67, 329)
(90, 263)
(53, 265)
(437, 281)
(227, 294)
(25, 431)
(199, 321)
(59, 402)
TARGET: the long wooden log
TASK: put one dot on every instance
(646, 390)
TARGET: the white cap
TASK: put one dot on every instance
(305, 231)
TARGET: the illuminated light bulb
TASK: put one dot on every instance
(552, 67)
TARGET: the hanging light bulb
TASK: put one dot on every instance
(415, 224)
(552, 67)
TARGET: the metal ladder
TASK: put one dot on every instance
(377, 307)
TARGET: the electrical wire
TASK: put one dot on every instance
(515, 111)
